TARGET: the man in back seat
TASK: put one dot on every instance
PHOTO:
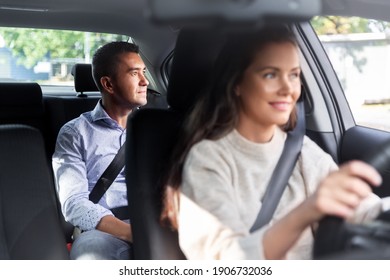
(87, 145)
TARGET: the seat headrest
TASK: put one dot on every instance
(83, 79)
(15, 94)
(20, 100)
(194, 56)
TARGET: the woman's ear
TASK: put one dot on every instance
(237, 90)
(107, 84)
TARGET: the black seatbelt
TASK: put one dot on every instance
(282, 171)
(106, 180)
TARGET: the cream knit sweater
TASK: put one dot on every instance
(223, 182)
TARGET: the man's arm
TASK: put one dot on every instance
(71, 181)
(116, 227)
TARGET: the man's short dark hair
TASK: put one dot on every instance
(106, 58)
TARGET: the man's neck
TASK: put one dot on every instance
(118, 114)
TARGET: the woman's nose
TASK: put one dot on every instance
(286, 86)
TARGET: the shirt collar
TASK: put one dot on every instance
(99, 113)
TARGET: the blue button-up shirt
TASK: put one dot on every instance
(84, 149)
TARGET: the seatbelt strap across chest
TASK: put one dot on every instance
(282, 171)
(106, 180)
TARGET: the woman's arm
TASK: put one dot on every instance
(339, 194)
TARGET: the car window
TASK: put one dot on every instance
(359, 50)
(47, 56)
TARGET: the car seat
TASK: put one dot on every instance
(151, 137)
(30, 225)
(22, 103)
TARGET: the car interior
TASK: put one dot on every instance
(179, 47)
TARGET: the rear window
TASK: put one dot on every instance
(47, 56)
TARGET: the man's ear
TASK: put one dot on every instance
(107, 84)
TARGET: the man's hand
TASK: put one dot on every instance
(116, 227)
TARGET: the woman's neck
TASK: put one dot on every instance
(255, 132)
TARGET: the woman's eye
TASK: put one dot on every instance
(269, 75)
(295, 75)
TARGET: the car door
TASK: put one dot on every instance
(332, 119)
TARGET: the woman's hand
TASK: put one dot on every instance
(342, 191)
(338, 195)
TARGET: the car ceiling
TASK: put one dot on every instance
(125, 17)
(129, 17)
(375, 9)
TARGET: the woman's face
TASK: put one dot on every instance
(270, 86)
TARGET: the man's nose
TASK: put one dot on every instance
(144, 81)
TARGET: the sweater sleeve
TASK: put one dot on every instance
(210, 226)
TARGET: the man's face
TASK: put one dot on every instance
(129, 85)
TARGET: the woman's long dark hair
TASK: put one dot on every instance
(216, 112)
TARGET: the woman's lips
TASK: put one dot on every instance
(281, 106)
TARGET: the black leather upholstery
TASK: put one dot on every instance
(194, 56)
(151, 136)
(29, 223)
(21, 103)
(83, 79)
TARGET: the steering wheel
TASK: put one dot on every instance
(338, 239)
